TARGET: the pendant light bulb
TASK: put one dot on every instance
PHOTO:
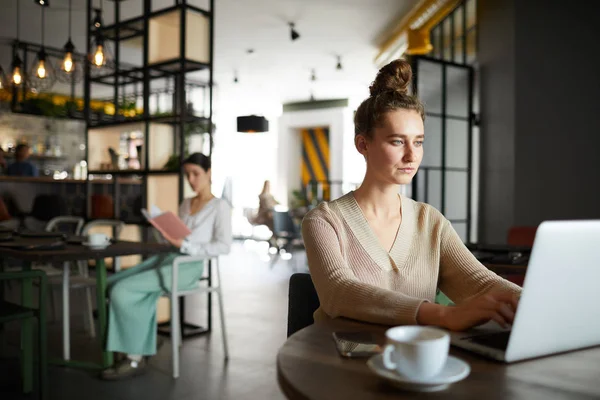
(41, 69)
(67, 64)
(99, 56)
(17, 76)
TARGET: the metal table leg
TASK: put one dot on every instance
(107, 356)
(27, 332)
(66, 313)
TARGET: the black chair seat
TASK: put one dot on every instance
(12, 312)
(303, 302)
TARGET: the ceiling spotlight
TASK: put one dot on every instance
(313, 76)
(235, 77)
(43, 3)
(293, 33)
(97, 22)
(339, 63)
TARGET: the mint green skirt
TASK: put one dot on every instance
(133, 294)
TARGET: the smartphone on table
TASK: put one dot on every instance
(356, 344)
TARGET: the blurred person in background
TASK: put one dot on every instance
(21, 166)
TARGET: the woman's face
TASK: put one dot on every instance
(395, 151)
(197, 177)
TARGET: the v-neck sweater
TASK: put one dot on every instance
(210, 226)
(355, 277)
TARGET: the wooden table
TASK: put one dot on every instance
(309, 367)
(74, 252)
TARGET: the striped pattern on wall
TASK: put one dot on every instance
(315, 157)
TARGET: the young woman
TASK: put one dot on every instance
(134, 292)
(379, 257)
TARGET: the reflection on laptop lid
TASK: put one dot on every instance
(558, 310)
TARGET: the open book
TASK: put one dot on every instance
(166, 222)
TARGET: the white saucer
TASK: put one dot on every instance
(96, 247)
(454, 371)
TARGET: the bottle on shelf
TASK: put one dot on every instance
(84, 169)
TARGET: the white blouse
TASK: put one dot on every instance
(211, 228)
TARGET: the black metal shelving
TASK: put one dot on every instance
(121, 76)
(124, 77)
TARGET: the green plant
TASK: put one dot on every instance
(298, 199)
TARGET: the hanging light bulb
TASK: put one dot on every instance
(16, 76)
(42, 76)
(41, 67)
(70, 71)
(43, 3)
(99, 59)
(17, 73)
(339, 63)
(68, 65)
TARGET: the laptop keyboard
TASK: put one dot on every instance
(498, 340)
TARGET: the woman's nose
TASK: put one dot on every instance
(409, 154)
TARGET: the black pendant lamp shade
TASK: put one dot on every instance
(252, 123)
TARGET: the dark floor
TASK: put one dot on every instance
(255, 293)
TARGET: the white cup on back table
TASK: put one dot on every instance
(416, 352)
(98, 239)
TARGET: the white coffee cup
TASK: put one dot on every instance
(416, 352)
(98, 239)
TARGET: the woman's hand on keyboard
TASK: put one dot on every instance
(499, 306)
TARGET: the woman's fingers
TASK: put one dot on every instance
(500, 320)
(506, 297)
(505, 311)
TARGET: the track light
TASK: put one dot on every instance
(293, 33)
(97, 18)
(339, 63)
(43, 3)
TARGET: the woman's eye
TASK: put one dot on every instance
(397, 142)
(419, 143)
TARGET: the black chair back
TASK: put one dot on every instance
(47, 206)
(284, 226)
(303, 302)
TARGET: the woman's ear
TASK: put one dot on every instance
(360, 141)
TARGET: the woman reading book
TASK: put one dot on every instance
(134, 291)
(379, 257)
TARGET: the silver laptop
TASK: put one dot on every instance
(559, 309)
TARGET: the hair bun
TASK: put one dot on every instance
(394, 77)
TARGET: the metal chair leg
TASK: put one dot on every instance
(222, 312)
(43, 359)
(175, 338)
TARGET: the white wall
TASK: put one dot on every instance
(345, 162)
